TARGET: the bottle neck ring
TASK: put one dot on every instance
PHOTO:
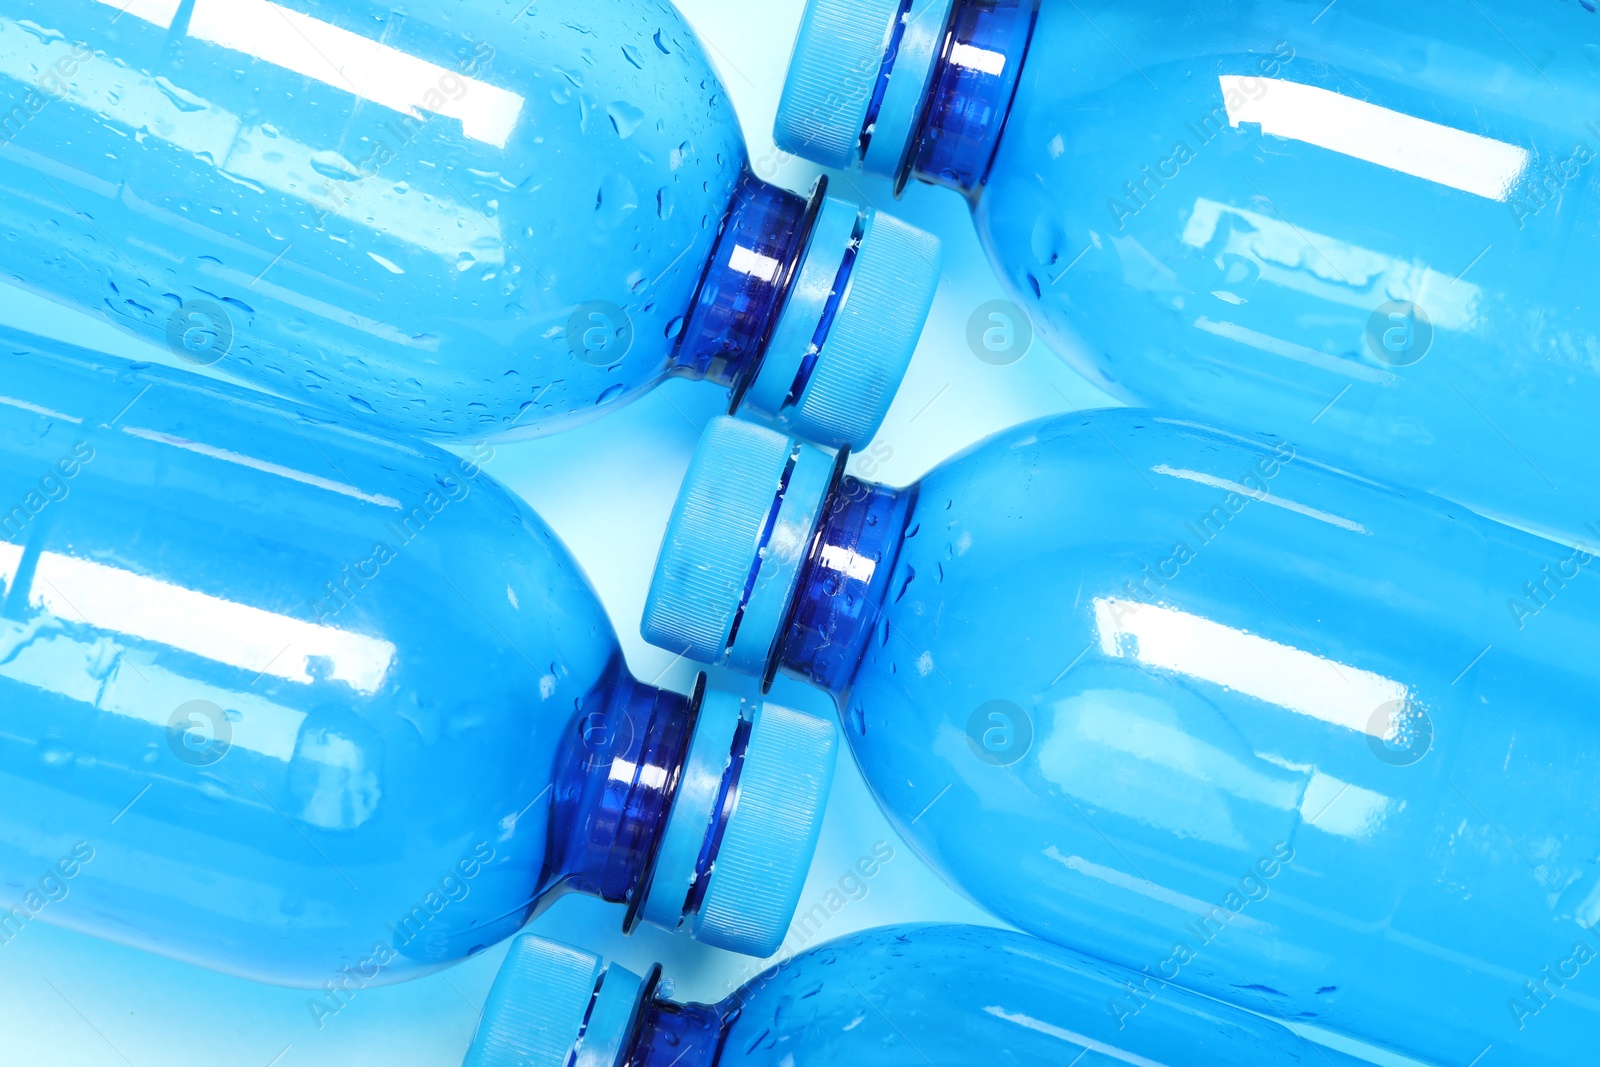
(746, 283)
(669, 1034)
(614, 793)
(950, 76)
(845, 583)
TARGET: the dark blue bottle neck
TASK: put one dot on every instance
(746, 281)
(845, 583)
(678, 1035)
(615, 782)
(974, 84)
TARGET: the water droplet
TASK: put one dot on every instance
(181, 99)
(465, 262)
(611, 393)
(625, 118)
(659, 44)
(911, 576)
(631, 54)
(386, 264)
(333, 165)
(615, 200)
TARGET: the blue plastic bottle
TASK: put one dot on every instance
(900, 996)
(1365, 226)
(318, 709)
(462, 219)
(1198, 705)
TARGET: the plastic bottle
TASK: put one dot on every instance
(1198, 705)
(292, 702)
(901, 996)
(1366, 227)
(463, 220)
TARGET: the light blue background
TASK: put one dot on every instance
(607, 489)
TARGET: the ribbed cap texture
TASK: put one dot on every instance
(713, 537)
(832, 75)
(873, 336)
(768, 843)
(536, 1007)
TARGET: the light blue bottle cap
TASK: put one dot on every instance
(834, 72)
(767, 845)
(906, 93)
(832, 76)
(550, 1001)
(843, 342)
(771, 837)
(735, 545)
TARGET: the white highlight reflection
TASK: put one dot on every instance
(251, 639)
(1263, 498)
(239, 459)
(252, 155)
(23, 405)
(1390, 139)
(344, 60)
(975, 58)
(753, 263)
(1089, 1044)
(848, 562)
(1146, 888)
(326, 53)
(1287, 677)
(1277, 346)
(1335, 806)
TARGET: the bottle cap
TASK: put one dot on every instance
(550, 1001)
(848, 328)
(734, 547)
(835, 74)
(766, 848)
(770, 839)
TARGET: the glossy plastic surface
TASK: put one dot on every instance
(1194, 704)
(908, 996)
(288, 701)
(464, 218)
(1368, 227)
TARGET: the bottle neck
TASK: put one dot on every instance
(616, 781)
(743, 290)
(844, 583)
(973, 85)
(677, 1035)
